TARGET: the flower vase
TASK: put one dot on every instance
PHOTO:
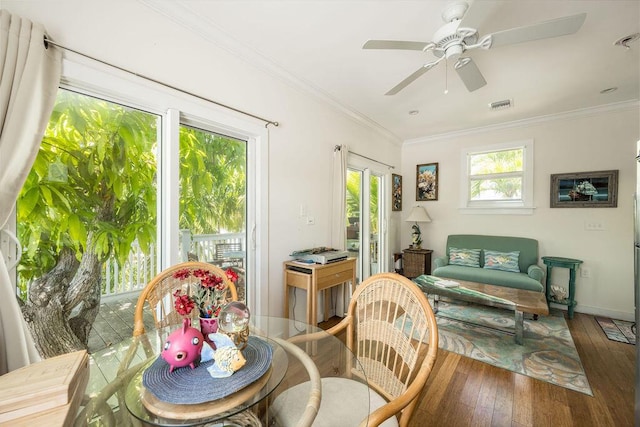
(209, 325)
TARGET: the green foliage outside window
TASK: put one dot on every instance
(93, 186)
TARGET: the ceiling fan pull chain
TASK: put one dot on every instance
(446, 75)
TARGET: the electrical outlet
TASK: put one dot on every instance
(585, 272)
(303, 209)
(311, 220)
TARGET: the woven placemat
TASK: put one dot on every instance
(192, 386)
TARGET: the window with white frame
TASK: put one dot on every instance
(498, 178)
(223, 139)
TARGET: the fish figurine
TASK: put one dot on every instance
(227, 358)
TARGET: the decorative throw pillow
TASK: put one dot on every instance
(507, 261)
(466, 257)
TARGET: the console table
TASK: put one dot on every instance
(572, 265)
(314, 278)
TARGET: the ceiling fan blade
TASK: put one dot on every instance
(406, 82)
(470, 74)
(543, 30)
(394, 44)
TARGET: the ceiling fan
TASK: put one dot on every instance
(459, 35)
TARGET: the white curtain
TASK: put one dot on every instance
(29, 79)
(339, 212)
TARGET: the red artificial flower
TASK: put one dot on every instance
(182, 274)
(208, 295)
(212, 281)
(217, 311)
(183, 303)
(231, 275)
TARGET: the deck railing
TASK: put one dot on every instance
(140, 267)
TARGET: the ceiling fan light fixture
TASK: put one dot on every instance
(454, 51)
(501, 105)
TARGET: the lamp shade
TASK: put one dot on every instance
(418, 214)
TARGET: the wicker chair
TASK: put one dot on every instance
(159, 294)
(392, 331)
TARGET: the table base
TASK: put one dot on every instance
(518, 332)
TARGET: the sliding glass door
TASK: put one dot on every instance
(212, 203)
(365, 218)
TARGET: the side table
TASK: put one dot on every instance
(572, 265)
(314, 278)
(416, 262)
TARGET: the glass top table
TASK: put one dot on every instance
(519, 301)
(118, 398)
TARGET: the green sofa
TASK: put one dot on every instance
(529, 277)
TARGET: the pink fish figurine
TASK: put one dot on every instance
(183, 347)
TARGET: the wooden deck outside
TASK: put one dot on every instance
(114, 322)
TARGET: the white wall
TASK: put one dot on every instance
(575, 143)
(301, 149)
(300, 156)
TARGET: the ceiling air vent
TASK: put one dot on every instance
(500, 105)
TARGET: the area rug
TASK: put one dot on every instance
(617, 330)
(486, 334)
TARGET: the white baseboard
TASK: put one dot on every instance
(599, 311)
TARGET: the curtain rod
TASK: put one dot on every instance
(267, 121)
(338, 148)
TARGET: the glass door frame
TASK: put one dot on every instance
(367, 170)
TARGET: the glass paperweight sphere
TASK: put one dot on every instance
(234, 317)
(234, 321)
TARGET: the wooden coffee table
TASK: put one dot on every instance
(518, 300)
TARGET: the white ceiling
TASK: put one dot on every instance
(317, 45)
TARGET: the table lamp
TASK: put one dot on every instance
(418, 214)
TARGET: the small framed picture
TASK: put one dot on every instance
(597, 189)
(427, 182)
(396, 192)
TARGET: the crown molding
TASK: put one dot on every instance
(183, 15)
(583, 112)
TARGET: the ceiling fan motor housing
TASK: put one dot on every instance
(450, 41)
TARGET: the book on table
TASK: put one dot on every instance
(446, 283)
(45, 387)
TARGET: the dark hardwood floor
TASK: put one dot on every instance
(464, 392)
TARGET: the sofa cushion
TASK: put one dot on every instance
(490, 277)
(528, 247)
(467, 257)
(506, 261)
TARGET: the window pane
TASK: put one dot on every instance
(496, 162)
(213, 200)
(90, 198)
(374, 209)
(354, 180)
(496, 189)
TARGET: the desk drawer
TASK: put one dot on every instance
(335, 278)
(298, 280)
